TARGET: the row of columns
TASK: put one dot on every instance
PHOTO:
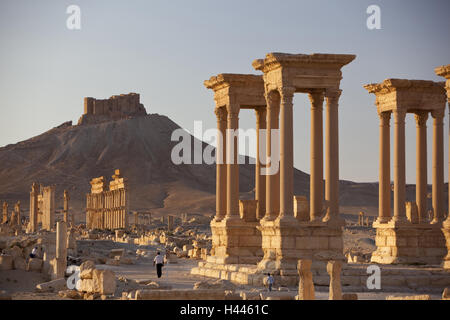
(275, 192)
(421, 166)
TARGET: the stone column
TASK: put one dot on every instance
(232, 162)
(332, 155)
(33, 207)
(305, 285)
(438, 166)
(61, 249)
(286, 154)
(399, 166)
(135, 214)
(66, 206)
(260, 180)
(170, 223)
(316, 177)
(421, 164)
(221, 167)
(334, 270)
(272, 180)
(17, 213)
(384, 197)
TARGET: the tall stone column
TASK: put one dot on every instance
(384, 197)
(232, 162)
(17, 212)
(421, 163)
(66, 206)
(272, 180)
(286, 154)
(332, 155)
(399, 166)
(260, 180)
(316, 177)
(438, 166)
(61, 250)
(221, 167)
(33, 207)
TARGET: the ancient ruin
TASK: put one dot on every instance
(285, 238)
(235, 236)
(444, 71)
(108, 209)
(48, 208)
(413, 240)
(34, 208)
(118, 107)
(66, 207)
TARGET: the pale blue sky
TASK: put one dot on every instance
(165, 49)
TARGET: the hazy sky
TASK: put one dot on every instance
(164, 50)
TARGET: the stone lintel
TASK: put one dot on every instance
(276, 59)
(408, 95)
(246, 90)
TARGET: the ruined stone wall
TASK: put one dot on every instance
(118, 107)
(107, 209)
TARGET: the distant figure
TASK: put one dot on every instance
(33, 252)
(159, 261)
(270, 281)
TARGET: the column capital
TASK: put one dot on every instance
(438, 114)
(421, 118)
(260, 113)
(316, 98)
(385, 117)
(399, 115)
(286, 92)
(332, 94)
(221, 113)
(233, 110)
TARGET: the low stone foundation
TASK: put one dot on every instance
(354, 277)
(285, 242)
(409, 243)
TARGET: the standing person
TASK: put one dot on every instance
(270, 281)
(159, 261)
(33, 253)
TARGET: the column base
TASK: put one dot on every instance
(284, 242)
(235, 241)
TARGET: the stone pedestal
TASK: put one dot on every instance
(284, 244)
(408, 243)
(446, 231)
(235, 241)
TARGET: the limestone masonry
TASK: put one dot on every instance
(123, 106)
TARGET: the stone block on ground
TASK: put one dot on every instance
(104, 282)
(51, 286)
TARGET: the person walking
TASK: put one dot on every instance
(33, 253)
(270, 281)
(159, 261)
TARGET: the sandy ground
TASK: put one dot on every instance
(177, 275)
